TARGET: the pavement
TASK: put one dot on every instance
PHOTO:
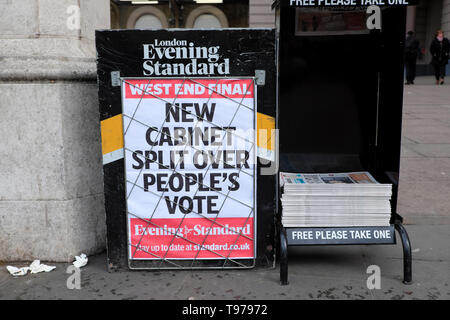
(314, 272)
(425, 164)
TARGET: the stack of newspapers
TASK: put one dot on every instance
(334, 200)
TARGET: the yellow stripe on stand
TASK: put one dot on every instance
(266, 136)
(112, 139)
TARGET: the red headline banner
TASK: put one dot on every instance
(179, 88)
(201, 238)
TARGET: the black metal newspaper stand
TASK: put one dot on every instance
(125, 54)
(340, 108)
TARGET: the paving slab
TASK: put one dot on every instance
(432, 150)
(425, 158)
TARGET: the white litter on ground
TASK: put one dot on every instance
(17, 272)
(35, 267)
(80, 261)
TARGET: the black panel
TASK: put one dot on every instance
(334, 90)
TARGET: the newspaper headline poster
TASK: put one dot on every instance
(190, 167)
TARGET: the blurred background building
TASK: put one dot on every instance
(149, 14)
(425, 19)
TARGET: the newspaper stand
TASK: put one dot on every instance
(340, 107)
(127, 57)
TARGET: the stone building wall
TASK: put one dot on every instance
(51, 190)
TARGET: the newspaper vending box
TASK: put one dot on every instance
(340, 111)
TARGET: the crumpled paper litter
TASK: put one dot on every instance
(35, 267)
(80, 261)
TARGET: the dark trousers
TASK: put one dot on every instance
(410, 64)
(439, 71)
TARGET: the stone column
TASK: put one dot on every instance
(446, 24)
(446, 17)
(51, 185)
(411, 18)
(261, 14)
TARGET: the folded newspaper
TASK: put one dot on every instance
(334, 200)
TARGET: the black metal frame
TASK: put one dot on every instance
(331, 64)
(407, 257)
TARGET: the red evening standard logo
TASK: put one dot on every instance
(199, 88)
(218, 240)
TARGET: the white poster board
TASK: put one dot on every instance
(190, 163)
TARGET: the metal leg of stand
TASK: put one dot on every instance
(283, 258)
(407, 257)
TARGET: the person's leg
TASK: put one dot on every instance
(437, 72)
(442, 73)
(408, 70)
(413, 70)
